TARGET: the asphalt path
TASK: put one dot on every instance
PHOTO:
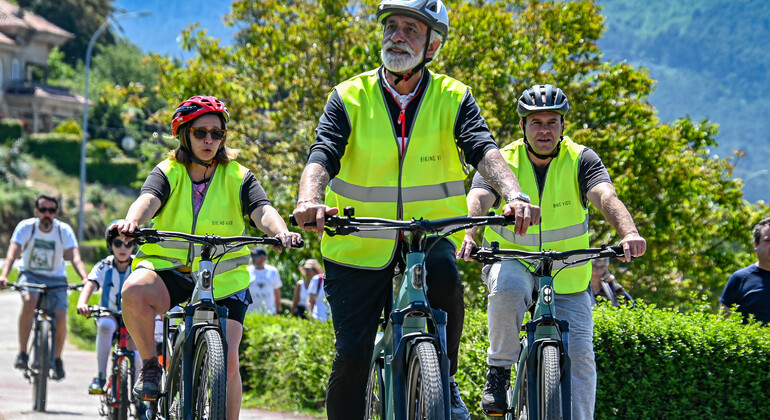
(67, 399)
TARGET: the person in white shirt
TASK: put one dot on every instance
(316, 296)
(264, 284)
(43, 243)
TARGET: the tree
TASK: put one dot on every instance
(80, 17)
(289, 55)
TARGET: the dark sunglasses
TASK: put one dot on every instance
(49, 210)
(117, 243)
(216, 133)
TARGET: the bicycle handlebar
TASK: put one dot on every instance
(336, 225)
(154, 236)
(97, 311)
(494, 254)
(42, 287)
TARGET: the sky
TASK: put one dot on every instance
(160, 31)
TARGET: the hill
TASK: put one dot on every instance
(709, 59)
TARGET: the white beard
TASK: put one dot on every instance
(399, 63)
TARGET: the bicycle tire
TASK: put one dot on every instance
(375, 392)
(42, 360)
(522, 397)
(209, 381)
(550, 384)
(120, 407)
(425, 394)
(170, 405)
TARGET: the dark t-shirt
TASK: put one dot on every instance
(591, 172)
(749, 288)
(252, 193)
(471, 132)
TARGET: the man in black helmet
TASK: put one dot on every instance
(396, 130)
(561, 177)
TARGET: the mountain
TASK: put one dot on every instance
(708, 57)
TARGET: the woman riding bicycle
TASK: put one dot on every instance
(198, 189)
(108, 275)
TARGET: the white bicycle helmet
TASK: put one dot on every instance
(430, 12)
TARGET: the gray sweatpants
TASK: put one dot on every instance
(510, 286)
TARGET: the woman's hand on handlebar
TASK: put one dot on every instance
(308, 211)
(466, 248)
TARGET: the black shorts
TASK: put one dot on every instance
(180, 288)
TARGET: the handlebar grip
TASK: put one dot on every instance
(293, 222)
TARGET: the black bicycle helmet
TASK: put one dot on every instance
(540, 98)
(430, 12)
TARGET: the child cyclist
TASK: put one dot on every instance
(108, 276)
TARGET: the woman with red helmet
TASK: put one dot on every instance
(198, 189)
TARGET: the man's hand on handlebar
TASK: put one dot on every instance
(466, 248)
(307, 211)
(526, 215)
(633, 246)
(289, 240)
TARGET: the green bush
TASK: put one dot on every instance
(62, 149)
(10, 130)
(651, 364)
(121, 171)
(68, 126)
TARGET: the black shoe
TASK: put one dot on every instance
(57, 371)
(147, 385)
(21, 361)
(458, 410)
(494, 399)
(97, 386)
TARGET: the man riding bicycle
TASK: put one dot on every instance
(43, 243)
(199, 189)
(562, 177)
(108, 275)
(387, 144)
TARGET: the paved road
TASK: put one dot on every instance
(68, 399)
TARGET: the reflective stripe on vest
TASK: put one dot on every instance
(428, 181)
(220, 214)
(564, 219)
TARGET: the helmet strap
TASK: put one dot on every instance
(425, 60)
(543, 157)
(194, 159)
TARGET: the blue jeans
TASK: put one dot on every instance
(510, 286)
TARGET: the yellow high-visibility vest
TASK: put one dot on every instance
(220, 214)
(427, 182)
(563, 218)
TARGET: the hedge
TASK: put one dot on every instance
(651, 364)
(10, 130)
(63, 150)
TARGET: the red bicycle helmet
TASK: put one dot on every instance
(196, 106)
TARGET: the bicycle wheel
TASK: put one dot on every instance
(425, 394)
(41, 364)
(522, 395)
(120, 406)
(375, 393)
(171, 405)
(550, 384)
(209, 377)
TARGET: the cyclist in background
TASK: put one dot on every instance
(198, 189)
(561, 176)
(360, 152)
(43, 243)
(108, 275)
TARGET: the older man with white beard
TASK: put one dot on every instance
(397, 129)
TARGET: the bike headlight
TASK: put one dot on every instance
(418, 276)
(547, 295)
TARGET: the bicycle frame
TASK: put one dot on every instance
(544, 329)
(407, 324)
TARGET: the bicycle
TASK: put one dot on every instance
(43, 343)
(194, 353)
(117, 397)
(542, 388)
(409, 370)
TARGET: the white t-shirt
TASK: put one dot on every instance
(321, 310)
(43, 252)
(262, 285)
(110, 281)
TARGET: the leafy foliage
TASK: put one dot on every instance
(290, 55)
